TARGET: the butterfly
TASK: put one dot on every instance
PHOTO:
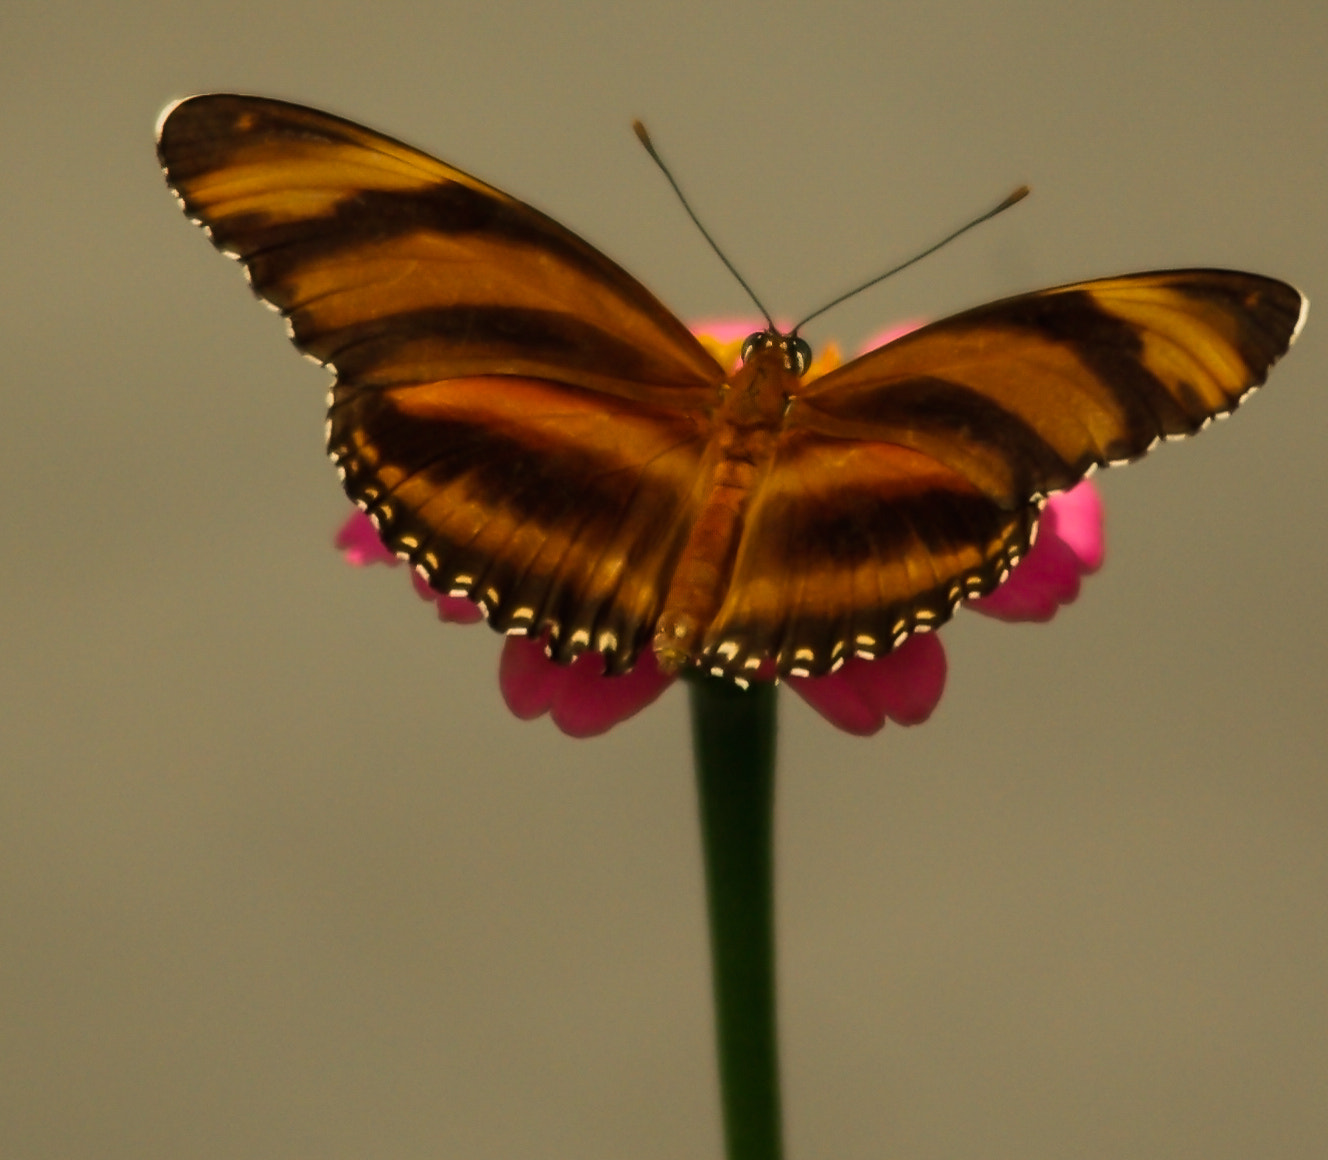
(530, 427)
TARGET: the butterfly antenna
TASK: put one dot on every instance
(644, 137)
(1017, 196)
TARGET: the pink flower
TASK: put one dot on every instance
(904, 686)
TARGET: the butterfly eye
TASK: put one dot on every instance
(797, 355)
(758, 341)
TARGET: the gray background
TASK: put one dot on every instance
(280, 877)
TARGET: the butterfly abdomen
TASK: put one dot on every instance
(742, 447)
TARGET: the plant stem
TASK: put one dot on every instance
(733, 736)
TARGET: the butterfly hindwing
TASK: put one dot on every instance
(557, 509)
(850, 545)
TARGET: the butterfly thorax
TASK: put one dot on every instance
(746, 426)
(758, 393)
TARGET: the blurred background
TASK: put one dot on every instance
(280, 876)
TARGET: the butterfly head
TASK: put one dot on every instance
(796, 353)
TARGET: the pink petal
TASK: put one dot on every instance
(358, 541)
(1079, 524)
(527, 677)
(452, 609)
(904, 685)
(728, 329)
(457, 610)
(890, 333)
(1069, 545)
(581, 699)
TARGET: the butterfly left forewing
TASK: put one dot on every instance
(393, 267)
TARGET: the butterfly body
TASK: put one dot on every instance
(532, 429)
(743, 440)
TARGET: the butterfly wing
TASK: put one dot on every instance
(522, 418)
(911, 478)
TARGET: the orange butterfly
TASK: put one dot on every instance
(532, 429)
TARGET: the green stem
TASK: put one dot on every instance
(733, 736)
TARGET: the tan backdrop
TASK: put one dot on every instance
(279, 877)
